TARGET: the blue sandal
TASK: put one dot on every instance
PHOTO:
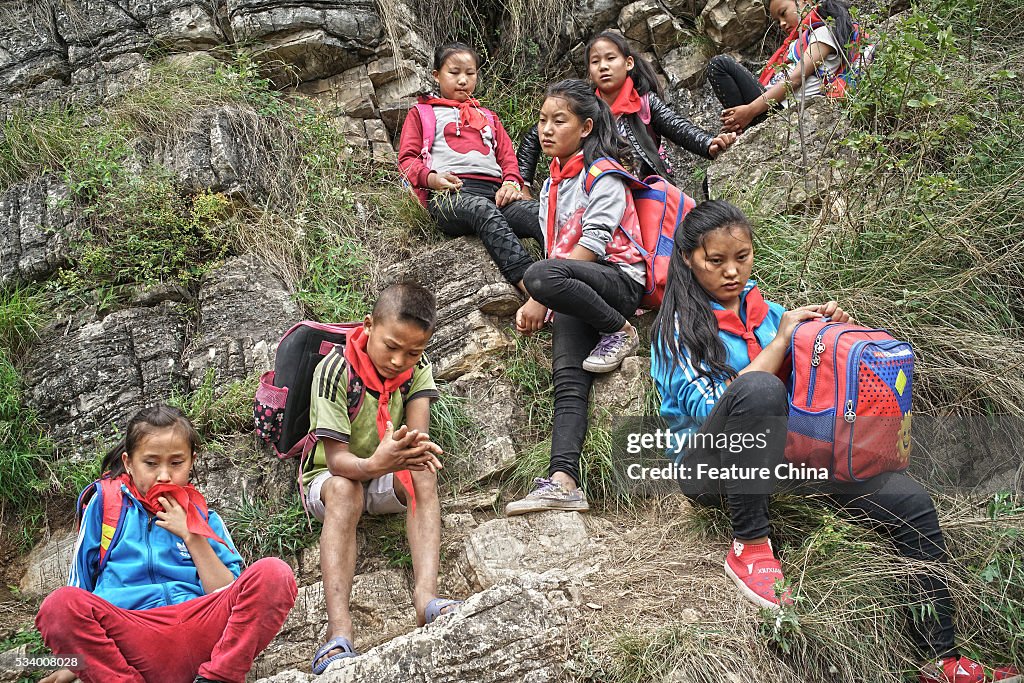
(321, 661)
(435, 608)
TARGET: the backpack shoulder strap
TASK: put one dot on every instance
(606, 165)
(645, 108)
(113, 510)
(428, 122)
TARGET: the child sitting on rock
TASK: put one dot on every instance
(592, 279)
(367, 465)
(157, 593)
(627, 83)
(821, 50)
(465, 172)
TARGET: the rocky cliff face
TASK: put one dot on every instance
(363, 62)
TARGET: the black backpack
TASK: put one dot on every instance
(281, 408)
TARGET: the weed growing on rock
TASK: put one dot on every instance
(269, 528)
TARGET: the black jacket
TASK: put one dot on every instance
(644, 139)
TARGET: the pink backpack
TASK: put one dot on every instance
(429, 124)
(850, 400)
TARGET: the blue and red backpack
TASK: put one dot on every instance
(112, 500)
(849, 400)
(660, 208)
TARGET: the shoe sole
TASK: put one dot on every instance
(746, 592)
(1014, 679)
(601, 369)
(541, 507)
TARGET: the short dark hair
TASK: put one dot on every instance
(443, 52)
(407, 302)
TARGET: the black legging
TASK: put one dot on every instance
(589, 299)
(733, 84)
(892, 503)
(472, 211)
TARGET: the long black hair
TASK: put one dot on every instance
(147, 421)
(604, 140)
(642, 73)
(687, 303)
(836, 13)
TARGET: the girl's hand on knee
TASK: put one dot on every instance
(507, 194)
(60, 676)
(530, 317)
(444, 181)
(736, 119)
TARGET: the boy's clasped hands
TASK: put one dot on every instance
(407, 449)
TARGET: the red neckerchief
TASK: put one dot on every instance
(627, 101)
(781, 56)
(359, 362)
(757, 311)
(470, 114)
(186, 496)
(573, 168)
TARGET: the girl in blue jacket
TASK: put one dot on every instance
(156, 591)
(717, 348)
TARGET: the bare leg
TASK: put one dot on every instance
(424, 530)
(343, 500)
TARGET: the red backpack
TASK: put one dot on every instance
(849, 400)
(660, 208)
(429, 124)
(112, 501)
(281, 406)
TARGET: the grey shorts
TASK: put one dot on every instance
(378, 496)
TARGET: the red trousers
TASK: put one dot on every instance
(217, 635)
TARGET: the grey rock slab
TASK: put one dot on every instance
(504, 548)
(648, 24)
(244, 308)
(733, 24)
(492, 406)
(37, 226)
(381, 607)
(623, 392)
(49, 564)
(686, 64)
(87, 378)
(471, 295)
(786, 164)
(512, 633)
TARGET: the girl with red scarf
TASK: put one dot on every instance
(717, 350)
(466, 172)
(822, 47)
(628, 85)
(591, 280)
(157, 593)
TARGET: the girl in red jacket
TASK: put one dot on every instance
(462, 165)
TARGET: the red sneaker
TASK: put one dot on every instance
(964, 670)
(1007, 674)
(754, 570)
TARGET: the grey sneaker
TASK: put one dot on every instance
(548, 495)
(611, 351)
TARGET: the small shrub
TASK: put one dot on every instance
(269, 528)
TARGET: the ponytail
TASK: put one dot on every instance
(686, 318)
(603, 140)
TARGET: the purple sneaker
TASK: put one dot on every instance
(611, 351)
(548, 494)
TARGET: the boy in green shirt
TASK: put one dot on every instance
(368, 465)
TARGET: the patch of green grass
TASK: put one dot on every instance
(218, 409)
(456, 433)
(387, 537)
(335, 281)
(269, 528)
(23, 312)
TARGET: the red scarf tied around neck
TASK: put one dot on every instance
(757, 311)
(572, 168)
(780, 60)
(196, 511)
(359, 361)
(470, 115)
(627, 101)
